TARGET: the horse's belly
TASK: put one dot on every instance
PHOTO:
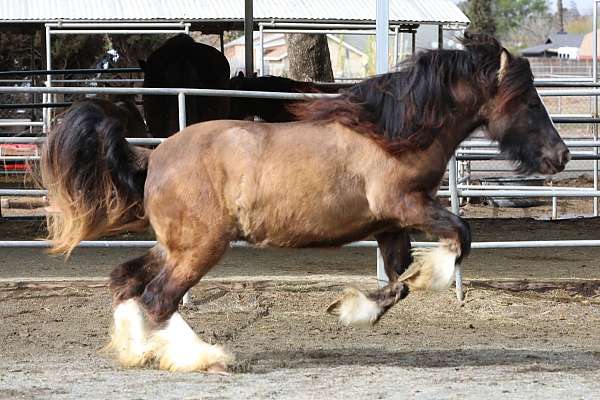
(297, 220)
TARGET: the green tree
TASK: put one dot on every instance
(481, 14)
(132, 48)
(77, 51)
(512, 14)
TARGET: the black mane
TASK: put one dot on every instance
(408, 107)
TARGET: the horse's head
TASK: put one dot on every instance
(516, 117)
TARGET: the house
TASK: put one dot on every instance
(352, 56)
(587, 45)
(560, 45)
(348, 56)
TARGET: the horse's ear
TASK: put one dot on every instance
(505, 59)
(142, 64)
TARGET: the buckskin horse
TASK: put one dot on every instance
(367, 162)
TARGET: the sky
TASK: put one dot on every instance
(584, 6)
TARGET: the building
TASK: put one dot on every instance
(561, 45)
(352, 56)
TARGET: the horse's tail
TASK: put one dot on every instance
(95, 179)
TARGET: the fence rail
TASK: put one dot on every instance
(455, 191)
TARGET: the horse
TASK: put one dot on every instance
(183, 63)
(126, 110)
(367, 162)
(271, 110)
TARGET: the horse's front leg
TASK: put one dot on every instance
(395, 250)
(358, 308)
(433, 268)
(429, 268)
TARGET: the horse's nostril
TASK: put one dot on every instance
(565, 157)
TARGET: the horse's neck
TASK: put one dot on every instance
(451, 136)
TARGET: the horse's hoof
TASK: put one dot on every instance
(218, 369)
(355, 308)
(179, 349)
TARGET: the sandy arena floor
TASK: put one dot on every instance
(267, 306)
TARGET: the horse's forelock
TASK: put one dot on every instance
(515, 82)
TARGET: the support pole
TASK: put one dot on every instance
(181, 110)
(595, 77)
(182, 124)
(261, 50)
(454, 202)
(249, 37)
(382, 278)
(396, 46)
(382, 26)
(382, 36)
(47, 96)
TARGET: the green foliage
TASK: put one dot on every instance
(132, 48)
(481, 14)
(371, 56)
(511, 14)
(15, 51)
(579, 25)
(77, 51)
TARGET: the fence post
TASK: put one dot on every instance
(454, 202)
(182, 123)
(181, 110)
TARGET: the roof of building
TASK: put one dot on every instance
(400, 11)
(553, 43)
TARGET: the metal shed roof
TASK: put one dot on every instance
(401, 11)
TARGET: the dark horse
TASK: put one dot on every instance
(183, 63)
(127, 111)
(271, 110)
(368, 162)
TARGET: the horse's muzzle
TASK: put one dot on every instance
(556, 160)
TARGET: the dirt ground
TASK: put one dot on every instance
(267, 307)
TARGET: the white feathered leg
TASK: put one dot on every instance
(129, 341)
(431, 269)
(176, 347)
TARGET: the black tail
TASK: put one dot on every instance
(95, 179)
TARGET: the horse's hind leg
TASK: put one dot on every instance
(129, 341)
(174, 344)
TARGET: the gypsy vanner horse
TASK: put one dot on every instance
(368, 162)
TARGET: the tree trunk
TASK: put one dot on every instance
(308, 57)
(561, 22)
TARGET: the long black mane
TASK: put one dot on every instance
(408, 107)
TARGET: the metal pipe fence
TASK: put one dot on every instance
(517, 244)
(455, 191)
